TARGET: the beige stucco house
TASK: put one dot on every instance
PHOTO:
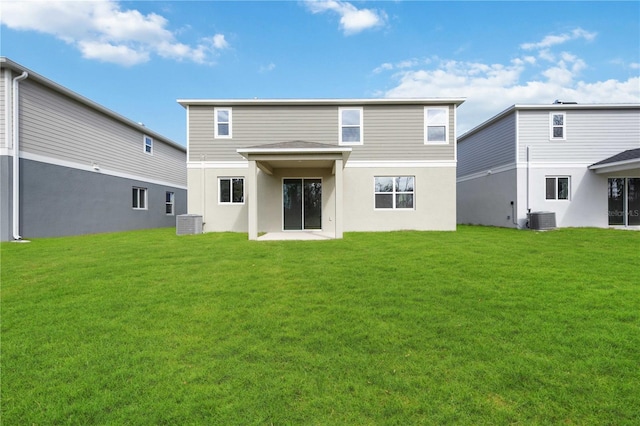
(321, 166)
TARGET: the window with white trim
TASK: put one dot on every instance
(557, 187)
(231, 190)
(394, 192)
(222, 122)
(350, 123)
(139, 198)
(557, 126)
(436, 125)
(147, 144)
(169, 203)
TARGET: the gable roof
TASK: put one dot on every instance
(545, 107)
(14, 66)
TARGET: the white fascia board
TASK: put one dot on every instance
(487, 172)
(218, 165)
(91, 168)
(401, 164)
(292, 150)
(618, 166)
(317, 101)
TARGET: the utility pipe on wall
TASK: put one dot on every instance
(528, 177)
(16, 155)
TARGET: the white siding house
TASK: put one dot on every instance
(69, 166)
(579, 162)
(322, 166)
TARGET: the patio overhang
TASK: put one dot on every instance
(294, 154)
(626, 161)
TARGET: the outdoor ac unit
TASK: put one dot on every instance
(542, 220)
(188, 224)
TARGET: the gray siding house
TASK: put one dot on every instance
(322, 166)
(580, 162)
(69, 166)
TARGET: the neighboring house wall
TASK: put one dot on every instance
(79, 164)
(486, 189)
(393, 145)
(590, 133)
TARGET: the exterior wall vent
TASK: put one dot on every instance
(541, 221)
(188, 224)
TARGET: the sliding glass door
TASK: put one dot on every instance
(302, 204)
(624, 201)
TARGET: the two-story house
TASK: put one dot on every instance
(70, 166)
(579, 162)
(322, 166)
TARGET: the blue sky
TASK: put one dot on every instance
(138, 58)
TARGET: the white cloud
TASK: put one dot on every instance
(552, 40)
(101, 30)
(491, 88)
(352, 19)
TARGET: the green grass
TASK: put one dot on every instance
(478, 326)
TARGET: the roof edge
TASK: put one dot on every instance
(549, 107)
(321, 101)
(14, 66)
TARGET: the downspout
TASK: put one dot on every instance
(528, 171)
(16, 155)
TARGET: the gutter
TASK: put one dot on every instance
(16, 155)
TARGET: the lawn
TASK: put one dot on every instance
(478, 326)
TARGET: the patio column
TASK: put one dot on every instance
(339, 192)
(253, 200)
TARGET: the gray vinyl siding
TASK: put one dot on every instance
(3, 106)
(55, 126)
(591, 135)
(397, 133)
(390, 132)
(490, 147)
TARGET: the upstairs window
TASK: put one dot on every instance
(231, 190)
(222, 122)
(557, 188)
(557, 126)
(351, 132)
(147, 144)
(436, 125)
(394, 192)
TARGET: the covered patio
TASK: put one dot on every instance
(284, 163)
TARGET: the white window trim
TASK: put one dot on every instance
(144, 144)
(145, 192)
(361, 125)
(556, 177)
(215, 123)
(393, 193)
(564, 125)
(171, 202)
(231, 202)
(427, 124)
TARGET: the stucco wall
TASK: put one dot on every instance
(486, 200)
(434, 201)
(58, 201)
